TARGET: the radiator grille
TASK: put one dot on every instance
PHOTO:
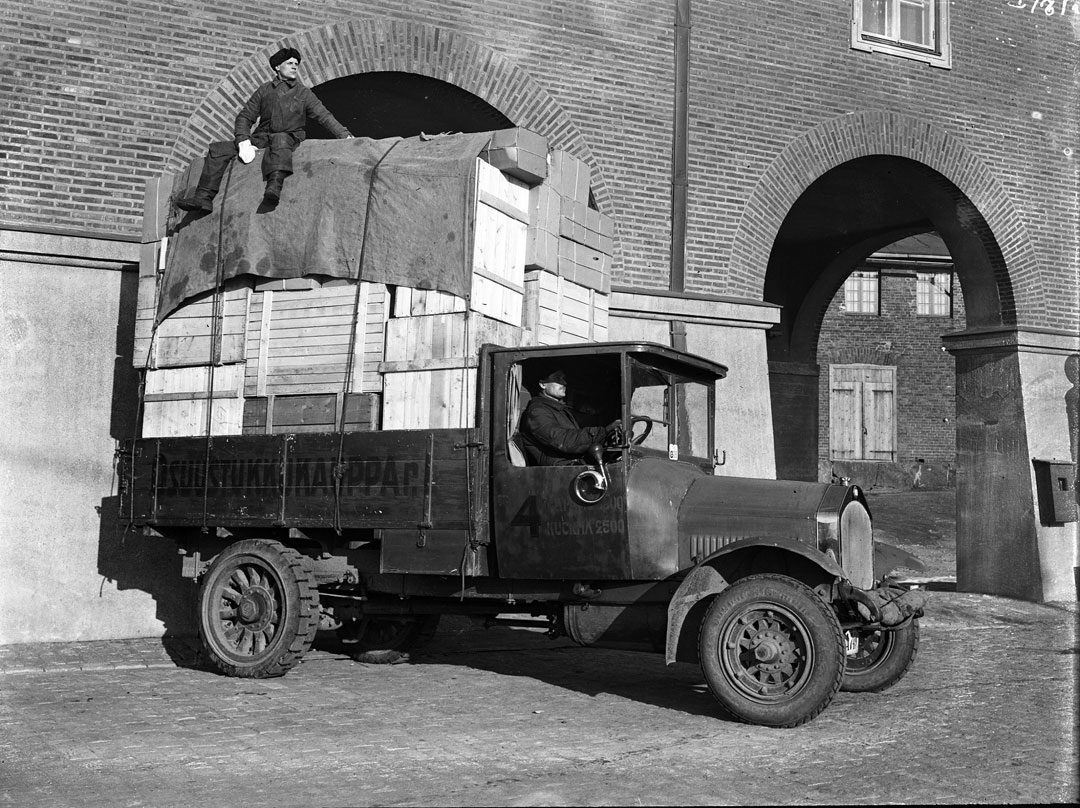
(705, 544)
(857, 545)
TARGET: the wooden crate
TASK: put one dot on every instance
(319, 412)
(584, 266)
(559, 311)
(542, 236)
(299, 334)
(188, 336)
(578, 222)
(408, 302)
(569, 176)
(151, 264)
(175, 401)
(451, 340)
(498, 270)
(519, 153)
(429, 399)
(429, 375)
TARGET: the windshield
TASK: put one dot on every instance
(679, 408)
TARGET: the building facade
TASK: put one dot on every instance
(751, 155)
(887, 389)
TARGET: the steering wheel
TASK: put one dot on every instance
(637, 440)
(614, 438)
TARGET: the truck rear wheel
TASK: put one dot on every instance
(258, 609)
(772, 651)
(881, 659)
(386, 640)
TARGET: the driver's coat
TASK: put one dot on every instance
(551, 434)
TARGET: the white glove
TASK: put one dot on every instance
(247, 151)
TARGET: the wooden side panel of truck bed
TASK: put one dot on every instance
(392, 479)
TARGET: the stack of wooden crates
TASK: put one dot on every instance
(273, 356)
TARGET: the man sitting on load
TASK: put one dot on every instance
(282, 107)
(549, 427)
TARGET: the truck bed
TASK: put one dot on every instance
(388, 479)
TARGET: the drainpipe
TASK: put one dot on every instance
(680, 137)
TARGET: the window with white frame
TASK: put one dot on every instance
(913, 29)
(933, 294)
(861, 293)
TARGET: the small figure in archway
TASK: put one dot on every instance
(282, 107)
(549, 427)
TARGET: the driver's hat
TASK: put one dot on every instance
(555, 377)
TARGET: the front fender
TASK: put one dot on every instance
(736, 559)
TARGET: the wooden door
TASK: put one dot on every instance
(862, 412)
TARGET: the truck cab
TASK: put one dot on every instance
(769, 585)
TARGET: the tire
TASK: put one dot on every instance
(386, 641)
(772, 651)
(258, 609)
(882, 659)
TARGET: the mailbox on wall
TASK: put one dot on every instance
(1056, 483)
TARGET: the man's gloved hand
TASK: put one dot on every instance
(613, 432)
(247, 151)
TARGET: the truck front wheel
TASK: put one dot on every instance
(258, 609)
(772, 651)
(879, 659)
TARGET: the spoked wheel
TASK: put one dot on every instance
(386, 640)
(772, 651)
(877, 660)
(258, 609)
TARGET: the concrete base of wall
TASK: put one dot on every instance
(882, 476)
(1016, 402)
(70, 570)
(728, 331)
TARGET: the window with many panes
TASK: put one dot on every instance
(933, 294)
(861, 293)
(914, 29)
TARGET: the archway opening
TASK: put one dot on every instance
(841, 220)
(395, 104)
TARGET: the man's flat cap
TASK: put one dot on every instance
(284, 55)
(555, 377)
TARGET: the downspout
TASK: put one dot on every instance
(680, 138)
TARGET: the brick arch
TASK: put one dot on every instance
(373, 44)
(878, 132)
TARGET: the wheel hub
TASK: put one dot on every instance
(255, 609)
(764, 653)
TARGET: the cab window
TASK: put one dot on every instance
(679, 407)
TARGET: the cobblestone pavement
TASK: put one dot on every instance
(509, 717)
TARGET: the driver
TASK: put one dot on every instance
(549, 428)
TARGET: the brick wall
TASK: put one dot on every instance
(98, 93)
(925, 375)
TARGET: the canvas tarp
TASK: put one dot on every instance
(402, 206)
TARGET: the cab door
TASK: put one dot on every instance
(540, 529)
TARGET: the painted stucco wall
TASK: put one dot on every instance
(68, 388)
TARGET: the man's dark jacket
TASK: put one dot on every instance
(283, 106)
(551, 435)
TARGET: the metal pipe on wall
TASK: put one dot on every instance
(680, 139)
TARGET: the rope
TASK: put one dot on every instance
(215, 334)
(339, 466)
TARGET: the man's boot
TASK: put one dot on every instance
(201, 200)
(273, 186)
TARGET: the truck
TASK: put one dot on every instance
(771, 586)
(330, 411)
